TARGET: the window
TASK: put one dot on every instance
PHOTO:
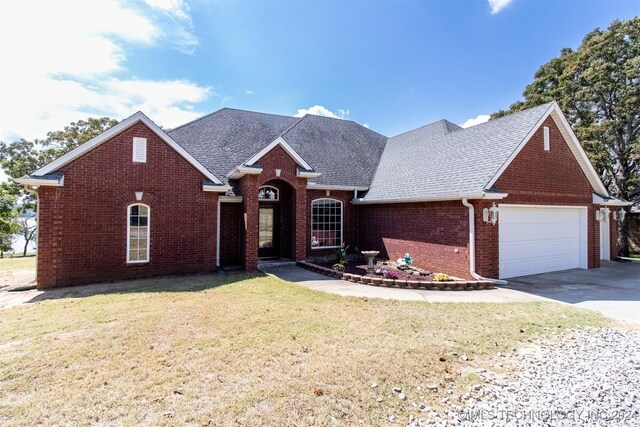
(140, 150)
(268, 193)
(326, 223)
(546, 138)
(138, 233)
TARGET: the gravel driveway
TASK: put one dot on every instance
(591, 378)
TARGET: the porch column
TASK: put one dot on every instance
(301, 219)
(249, 188)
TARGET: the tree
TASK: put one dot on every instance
(8, 224)
(27, 228)
(598, 88)
(23, 157)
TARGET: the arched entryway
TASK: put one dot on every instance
(276, 220)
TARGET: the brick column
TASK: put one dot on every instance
(249, 188)
(301, 228)
(50, 233)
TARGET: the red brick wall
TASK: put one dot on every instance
(613, 230)
(231, 234)
(539, 177)
(435, 234)
(276, 159)
(83, 226)
(349, 220)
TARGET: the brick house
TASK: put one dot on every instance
(509, 197)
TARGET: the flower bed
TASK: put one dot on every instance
(357, 273)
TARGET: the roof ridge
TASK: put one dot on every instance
(548, 104)
(198, 119)
(423, 126)
(282, 134)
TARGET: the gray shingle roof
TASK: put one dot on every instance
(345, 152)
(440, 160)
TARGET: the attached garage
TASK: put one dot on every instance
(538, 239)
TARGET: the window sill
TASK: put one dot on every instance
(325, 247)
(137, 262)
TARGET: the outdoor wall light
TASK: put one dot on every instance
(490, 215)
(602, 214)
(621, 214)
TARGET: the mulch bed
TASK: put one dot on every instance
(361, 269)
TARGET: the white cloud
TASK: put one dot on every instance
(482, 118)
(319, 110)
(498, 5)
(248, 92)
(64, 61)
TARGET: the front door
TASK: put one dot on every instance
(267, 245)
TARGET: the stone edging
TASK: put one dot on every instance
(457, 285)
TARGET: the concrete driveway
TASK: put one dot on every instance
(613, 289)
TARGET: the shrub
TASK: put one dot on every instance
(341, 254)
(338, 266)
(441, 277)
(390, 274)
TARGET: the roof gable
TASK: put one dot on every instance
(113, 131)
(572, 141)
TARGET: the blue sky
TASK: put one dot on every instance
(392, 65)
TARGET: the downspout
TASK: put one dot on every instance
(472, 247)
(218, 235)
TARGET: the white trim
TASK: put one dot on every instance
(314, 186)
(216, 188)
(129, 233)
(109, 133)
(279, 141)
(307, 174)
(485, 196)
(230, 199)
(35, 182)
(598, 200)
(277, 191)
(240, 171)
(341, 222)
(572, 142)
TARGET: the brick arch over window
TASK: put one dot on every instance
(327, 223)
(285, 176)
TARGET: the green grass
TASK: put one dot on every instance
(18, 263)
(248, 350)
(635, 255)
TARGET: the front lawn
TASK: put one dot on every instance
(249, 350)
(18, 263)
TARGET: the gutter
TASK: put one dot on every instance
(472, 247)
(486, 196)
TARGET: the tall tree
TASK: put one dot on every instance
(598, 88)
(8, 213)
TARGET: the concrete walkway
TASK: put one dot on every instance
(613, 289)
(324, 283)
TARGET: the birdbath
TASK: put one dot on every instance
(370, 256)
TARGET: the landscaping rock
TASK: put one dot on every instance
(589, 378)
(397, 390)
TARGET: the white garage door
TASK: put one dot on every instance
(537, 239)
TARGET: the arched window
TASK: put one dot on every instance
(267, 192)
(138, 223)
(326, 223)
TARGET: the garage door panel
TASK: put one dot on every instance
(536, 239)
